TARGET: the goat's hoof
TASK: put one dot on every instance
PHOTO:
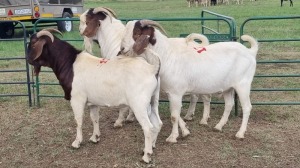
(171, 139)
(188, 118)
(95, 139)
(218, 128)
(185, 133)
(76, 144)
(146, 158)
(118, 125)
(239, 135)
(203, 122)
(130, 120)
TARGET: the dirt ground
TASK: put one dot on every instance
(42, 137)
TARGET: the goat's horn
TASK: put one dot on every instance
(111, 11)
(45, 33)
(51, 30)
(101, 9)
(153, 23)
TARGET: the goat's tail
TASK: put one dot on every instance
(152, 58)
(253, 43)
(195, 36)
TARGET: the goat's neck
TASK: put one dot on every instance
(62, 66)
(165, 51)
(109, 36)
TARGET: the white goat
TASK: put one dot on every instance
(100, 24)
(220, 68)
(109, 35)
(87, 80)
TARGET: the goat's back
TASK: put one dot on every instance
(114, 82)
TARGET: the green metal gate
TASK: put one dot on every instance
(276, 62)
(10, 88)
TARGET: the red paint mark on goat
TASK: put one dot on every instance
(200, 50)
(103, 61)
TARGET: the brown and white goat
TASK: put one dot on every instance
(88, 80)
(219, 68)
(101, 23)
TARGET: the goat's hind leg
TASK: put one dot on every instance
(206, 108)
(94, 114)
(78, 109)
(191, 111)
(142, 117)
(175, 108)
(130, 117)
(244, 97)
(122, 112)
(229, 102)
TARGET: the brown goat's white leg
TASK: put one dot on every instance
(122, 112)
(191, 111)
(229, 102)
(175, 108)
(94, 114)
(78, 109)
(206, 108)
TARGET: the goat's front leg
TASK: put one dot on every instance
(175, 108)
(94, 114)
(78, 109)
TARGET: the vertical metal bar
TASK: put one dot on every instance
(27, 66)
(37, 91)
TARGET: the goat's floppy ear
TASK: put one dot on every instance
(92, 28)
(37, 48)
(140, 44)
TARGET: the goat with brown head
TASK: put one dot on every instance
(90, 20)
(45, 49)
(146, 27)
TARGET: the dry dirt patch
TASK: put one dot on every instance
(41, 137)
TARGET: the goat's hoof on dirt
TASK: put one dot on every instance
(185, 133)
(95, 139)
(188, 118)
(171, 139)
(118, 125)
(202, 122)
(216, 129)
(146, 158)
(130, 120)
(76, 144)
(239, 136)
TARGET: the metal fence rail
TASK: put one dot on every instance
(25, 69)
(229, 36)
(294, 61)
(215, 36)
